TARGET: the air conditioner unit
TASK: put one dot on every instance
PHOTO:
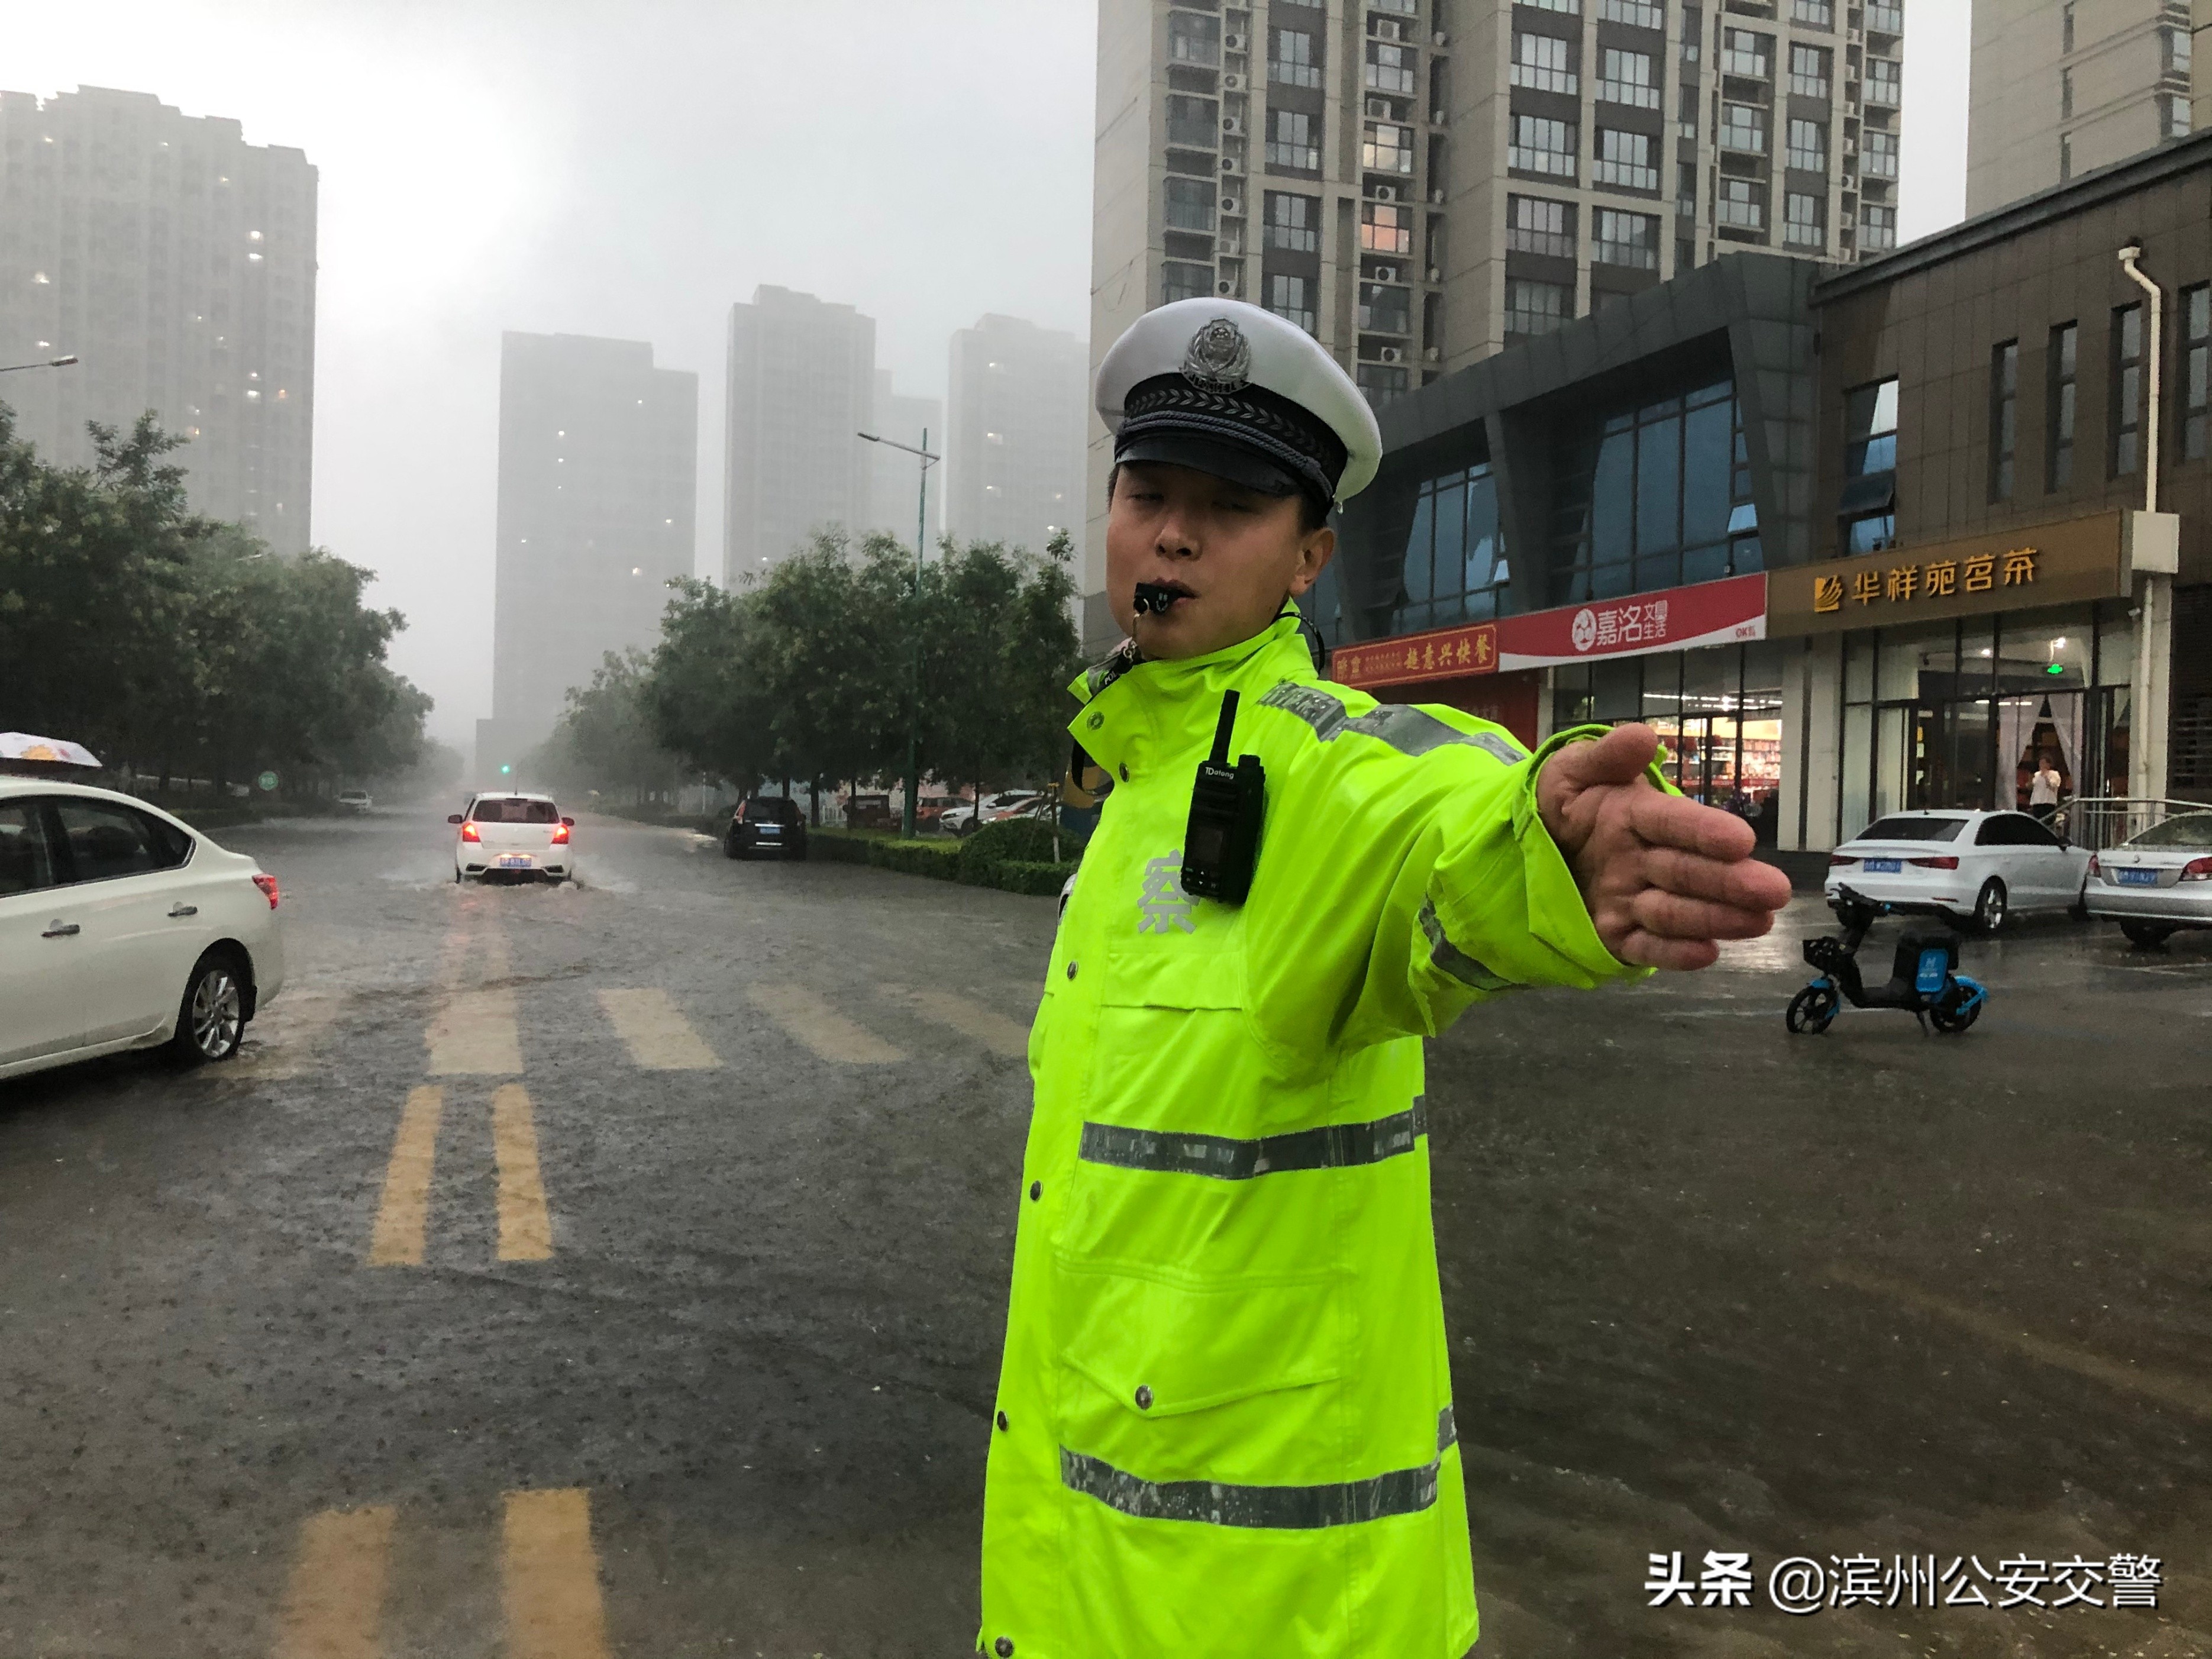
(1232, 41)
(1232, 83)
(1391, 355)
(1438, 38)
(1437, 197)
(1378, 107)
(1233, 125)
(1233, 204)
(1232, 166)
(1385, 192)
(1226, 288)
(1436, 354)
(1385, 273)
(1435, 274)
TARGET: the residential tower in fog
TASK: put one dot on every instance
(801, 383)
(1020, 403)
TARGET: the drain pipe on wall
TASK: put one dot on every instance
(2154, 542)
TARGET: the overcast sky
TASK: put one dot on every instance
(629, 169)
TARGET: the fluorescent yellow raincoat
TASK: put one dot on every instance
(1223, 1423)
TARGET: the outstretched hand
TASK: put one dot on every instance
(1665, 878)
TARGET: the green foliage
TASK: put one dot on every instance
(180, 646)
(1018, 839)
(974, 862)
(704, 692)
(607, 737)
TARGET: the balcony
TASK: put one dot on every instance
(1552, 244)
(1624, 175)
(1743, 138)
(1382, 78)
(1291, 239)
(1559, 162)
(1885, 20)
(1297, 75)
(1814, 14)
(1810, 86)
(1629, 256)
(1537, 78)
(1755, 64)
(1385, 158)
(1639, 13)
(1741, 215)
(1878, 163)
(1631, 93)
(1802, 235)
(1385, 239)
(1808, 160)
(1882, 91)
(1298, 158)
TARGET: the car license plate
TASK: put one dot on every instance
(513, 862)
(1884, 866)
(771, 830)
(2138, 877)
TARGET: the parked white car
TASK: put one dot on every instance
(510, 833)
(2157, 882)
(1978, 867)
(121, 927)
(355, 800)
(960, 820)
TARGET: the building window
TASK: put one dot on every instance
(2174, 115)
(2066, 26)
(1195, 121)
(1743, 126)
(1536, 308)
(1638, 13)
(1878, 155)
(2004, 417)
(1629, 240)
(1179, 280)
(1385, 228)
(1379, 382)
(1385, 309)
(2174, 51)
(1195, 39)
(1290, 59)
(1809, 70)
(1686, 195)
(1877, 228)
(1287, 297)
(2066, 94)
(1883, 19)
(1816, 14)
(1454, 567)
(1883, 82)
(1540, 64)
(1291, 141)
(1189, 203)
(1390, 66)
(2195, 369)
(1624, 158)
(1566, 8)
(1808, 146)
(1801, 222)
(1627, 79)
(1541, 145)
(1293, 224)
(1743, 53)
(1533, 225)
(2058, 466)
(2127, 389)
(1386, 147)
(1869, 508)
(2065, 156)
(1738, 203)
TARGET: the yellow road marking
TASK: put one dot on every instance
(552, 1577)
(807, 1018)
(526, 1229)
(473, 1034)
(1001, 1035)
(2182, 1393)
(397, 1241)
(335, 1599)
(660, 1039)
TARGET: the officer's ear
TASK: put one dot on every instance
(1316, 548)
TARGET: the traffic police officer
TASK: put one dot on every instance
(1223, 1422)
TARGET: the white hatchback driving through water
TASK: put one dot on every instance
(513, 834)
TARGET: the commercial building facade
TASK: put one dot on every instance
(1853, 540)
(1422, 183)
(598, 476)
(177, 262)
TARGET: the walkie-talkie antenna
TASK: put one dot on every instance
(1221, 732)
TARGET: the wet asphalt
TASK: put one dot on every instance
(1710, 1287)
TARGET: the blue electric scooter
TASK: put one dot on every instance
(1924, 980)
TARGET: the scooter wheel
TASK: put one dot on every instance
(1812, 1010)
(1952, 1019)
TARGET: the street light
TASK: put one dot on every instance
(920, 543)
(45, 362)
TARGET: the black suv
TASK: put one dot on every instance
(766, 823)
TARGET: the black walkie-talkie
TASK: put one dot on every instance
(1221, 843)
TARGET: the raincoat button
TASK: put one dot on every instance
(1037, 1191)
(1071, 971)
(1144, 1398)
(1125, 771)
(1097, 720)
(1003, 1647)
(1002, 1422)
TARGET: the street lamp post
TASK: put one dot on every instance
(43, 362)
(920, 543)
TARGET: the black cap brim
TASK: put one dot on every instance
(1211, 456)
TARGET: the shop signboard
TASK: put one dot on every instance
(2061, 563)
(1722, 612)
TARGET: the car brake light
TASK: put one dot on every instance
(2197, 870)
(2095, 869)
(1947, 861)
(1835, 859)
(560, 835)
(268, 886)
(468, 832)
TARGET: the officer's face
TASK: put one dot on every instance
(1231, 554)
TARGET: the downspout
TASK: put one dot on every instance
(2150, 687)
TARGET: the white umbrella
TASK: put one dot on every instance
(22, 746)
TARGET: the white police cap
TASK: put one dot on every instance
(1229, 389)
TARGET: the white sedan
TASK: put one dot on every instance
(2157, 882)
(1977, 867)
(509, 832)
(121, 927)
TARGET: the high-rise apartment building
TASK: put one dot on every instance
(2060, 87)
(177, 261)
(1421, 183)
(598, 470)
(801, 383)
(1019, 398)
(894, 474)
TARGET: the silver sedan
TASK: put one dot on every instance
(2157, 882)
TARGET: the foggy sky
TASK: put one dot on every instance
(629, 169)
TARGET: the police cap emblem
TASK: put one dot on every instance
(1219, 358)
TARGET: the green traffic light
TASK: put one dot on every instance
(504, 769)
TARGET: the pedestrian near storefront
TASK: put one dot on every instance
(1225, 1421)
(2044, 787)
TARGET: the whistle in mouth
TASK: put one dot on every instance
(1152, 596)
